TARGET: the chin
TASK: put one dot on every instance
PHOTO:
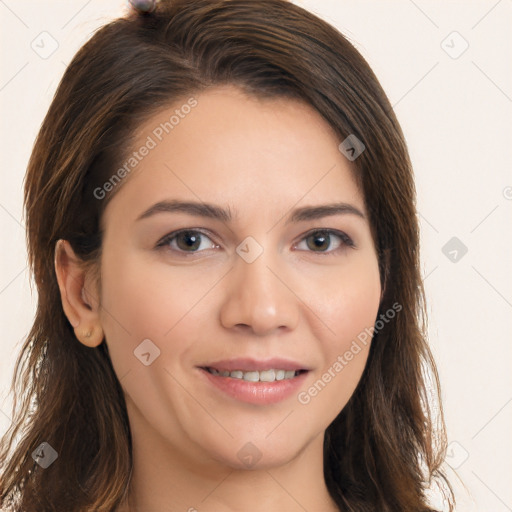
(256, 453)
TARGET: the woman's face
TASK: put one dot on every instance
(263, 280)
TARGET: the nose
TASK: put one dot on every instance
(259, 298)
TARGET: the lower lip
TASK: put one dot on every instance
(256, 392)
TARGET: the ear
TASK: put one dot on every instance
(78, 294)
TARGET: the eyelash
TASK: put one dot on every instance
(346, 241)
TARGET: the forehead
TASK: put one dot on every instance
(225, 147)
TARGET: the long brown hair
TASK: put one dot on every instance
(385, 447)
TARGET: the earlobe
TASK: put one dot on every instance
(80, 305)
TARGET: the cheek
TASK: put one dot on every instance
(357, 305)
(348, 306)
(148, 300)
(346, 300)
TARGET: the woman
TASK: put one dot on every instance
(222, 230)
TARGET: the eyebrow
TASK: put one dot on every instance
(215, 212)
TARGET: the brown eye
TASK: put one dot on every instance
(320, 240)
(187, 241)
(326, 241)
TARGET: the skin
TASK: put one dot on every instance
(262, 159)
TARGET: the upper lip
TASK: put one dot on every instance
(249, 364)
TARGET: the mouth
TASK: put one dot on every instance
(256, 382)
(270, 375)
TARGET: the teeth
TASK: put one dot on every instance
(252, 376)
(255, 376)
(268, 376)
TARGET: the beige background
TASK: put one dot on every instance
(455, 106)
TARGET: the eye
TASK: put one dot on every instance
(321, 241)
(187, 240)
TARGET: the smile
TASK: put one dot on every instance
(257, 376)
(259, 387)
